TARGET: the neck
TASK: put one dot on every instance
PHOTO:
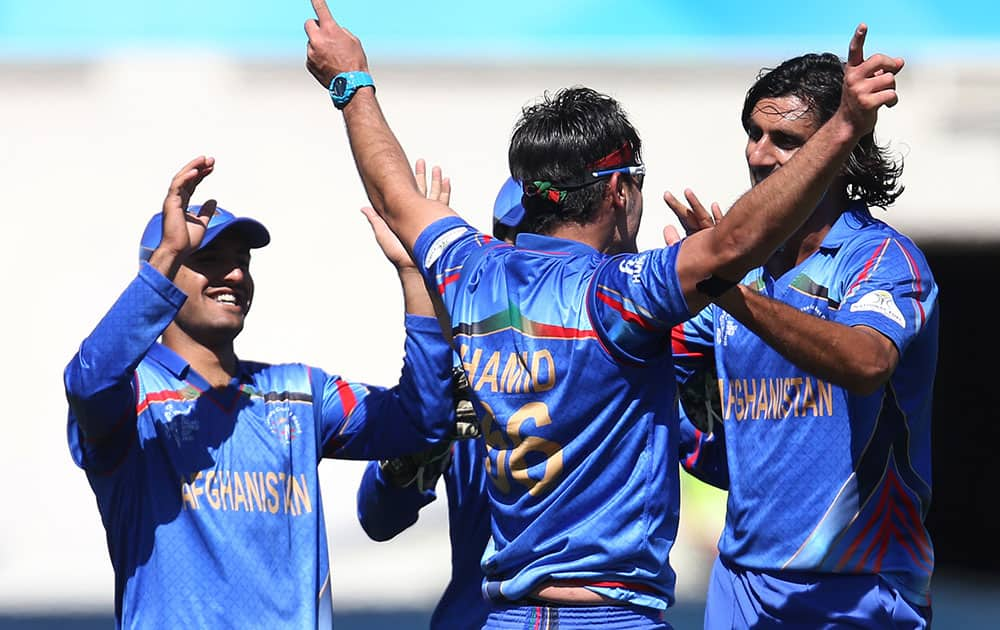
(217, 365)
(600, 233)
(808, 238)
(582, 233)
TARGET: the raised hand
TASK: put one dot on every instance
(694, 218)
(183, 231)
(440, 187)
(868, 84)
(332, 49)
(440, 190)
(387, 241)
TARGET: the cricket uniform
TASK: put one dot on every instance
(567, 353)
(824, 483)
(210, 497)
(385, 510)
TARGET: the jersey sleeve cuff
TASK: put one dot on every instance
(161, 285)
(432, 241)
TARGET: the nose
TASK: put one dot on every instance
(238, 272)
(760, 154)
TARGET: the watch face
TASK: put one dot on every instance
(339, 86)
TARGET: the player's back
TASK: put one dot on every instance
(581, 443)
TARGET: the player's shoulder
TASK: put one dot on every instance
(874, 236)
(439, 236)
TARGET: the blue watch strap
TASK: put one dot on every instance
(344, 85)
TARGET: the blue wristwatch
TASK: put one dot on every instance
(345, 84)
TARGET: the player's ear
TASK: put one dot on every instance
(619, 191)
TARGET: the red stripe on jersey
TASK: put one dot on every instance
(907, 512)
(628, 586)
(538, 329)
(860, 538)
(866, 270)
(628, 316)
(916, 281)
(347, 398)
(446, 281)
(690, 460)
(679, 345)
(155, 397)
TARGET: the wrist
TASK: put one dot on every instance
(345, 85)
(845, 131)
(166, 261)
(715, 286)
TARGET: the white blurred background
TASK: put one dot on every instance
(103, 102)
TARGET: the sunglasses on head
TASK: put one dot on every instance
(637, 173)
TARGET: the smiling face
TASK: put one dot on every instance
(219, 291)
(777, 129)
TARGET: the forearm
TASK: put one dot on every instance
(416, 300)
(98, 378)
(385, 510)
(383, 167)
(408, 418)
(856, 358)
(703, 455)
(766, 215)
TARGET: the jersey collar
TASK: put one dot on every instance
(857, 217)
(180, 368)
(553, 245)
(169, 359)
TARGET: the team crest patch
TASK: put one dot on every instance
(437, 247)
(283, 423)
(880, 301)
(179, 423)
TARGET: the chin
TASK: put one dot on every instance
(225, 332)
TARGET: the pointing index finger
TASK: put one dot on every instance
(856, 50)
(323, 12)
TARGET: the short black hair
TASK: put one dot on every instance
(870, 173)
(558, 140)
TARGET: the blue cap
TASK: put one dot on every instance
(255, 233)
(507, 209)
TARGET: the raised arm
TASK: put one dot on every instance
(381, 162)
(98, 379)
(771, 211)
(858, 358)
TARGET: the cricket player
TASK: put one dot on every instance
(825, 359)
(565, 336)
(204, 465)
(393, 492)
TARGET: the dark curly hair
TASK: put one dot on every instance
(558, 139)
(870, 173)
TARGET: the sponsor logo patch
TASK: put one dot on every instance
(725, 329)
(633, 267)
(437, 247)
(880, 301)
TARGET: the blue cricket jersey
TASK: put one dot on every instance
(567, 352)
(385, 510)
(820, 479)
(210, 497)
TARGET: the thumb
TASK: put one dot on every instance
(207, 210)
